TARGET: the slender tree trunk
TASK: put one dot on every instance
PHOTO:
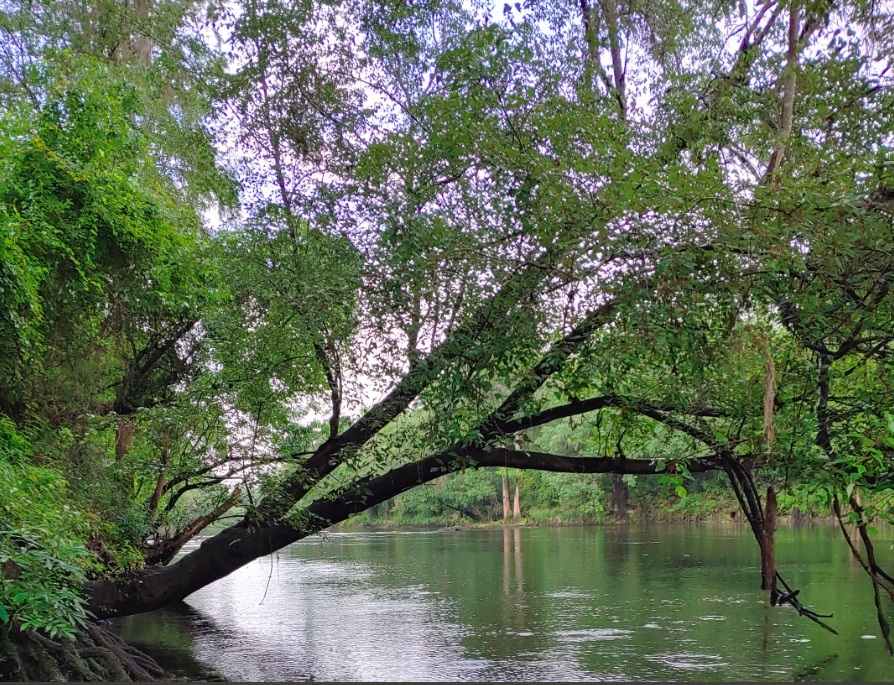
(619, 68)
(591, 39)
(505, 497)
(516, 504)
(789, 85)
(768, 554)
(162, 468)
(123, 445)
(142, 50)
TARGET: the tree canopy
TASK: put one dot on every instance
(304, 257)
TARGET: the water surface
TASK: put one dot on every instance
(595, 603)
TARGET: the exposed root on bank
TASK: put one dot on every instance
(94, 655)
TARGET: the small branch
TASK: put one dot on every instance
(169, 548)
(867, 542)
(577, 407)
(792, 598)
(876, 583)
(551, 362)
(788, 96)
(333, 379)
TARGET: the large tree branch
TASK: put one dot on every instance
(167, 549)
(332, 453)
(378, 489)
(133, 390)
(551, 362)
(238, 545)
(659, 412)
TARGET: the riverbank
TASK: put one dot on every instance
(655, 516)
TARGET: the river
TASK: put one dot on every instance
(656, 602)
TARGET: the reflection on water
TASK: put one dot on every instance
(170, 635)
(609, 603)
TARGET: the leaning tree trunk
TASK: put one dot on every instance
(233, 547)
(95, 655)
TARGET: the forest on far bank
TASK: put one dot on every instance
(267, 265)
(489, 497)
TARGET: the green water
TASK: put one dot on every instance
(596, 603)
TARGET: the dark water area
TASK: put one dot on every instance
(532, 604)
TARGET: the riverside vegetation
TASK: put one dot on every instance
(646, 239)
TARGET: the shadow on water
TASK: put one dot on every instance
(184, 640)
(169, 635)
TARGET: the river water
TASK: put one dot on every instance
(591, 603)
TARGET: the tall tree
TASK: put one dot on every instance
(671, 221)
(580, 247)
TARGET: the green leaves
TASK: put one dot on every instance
(43, 560)
(86, 227)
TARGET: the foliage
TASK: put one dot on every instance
(43, 558)
(578, 237)
(85, 224)
(103, 270)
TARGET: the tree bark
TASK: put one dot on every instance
(516, 503)
(123, 438)
(159, 491)
(619, 68)
(789, 85)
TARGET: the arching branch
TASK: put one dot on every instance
(659, 412)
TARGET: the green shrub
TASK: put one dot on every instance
(43, 559)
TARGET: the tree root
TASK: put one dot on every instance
(94, 655)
